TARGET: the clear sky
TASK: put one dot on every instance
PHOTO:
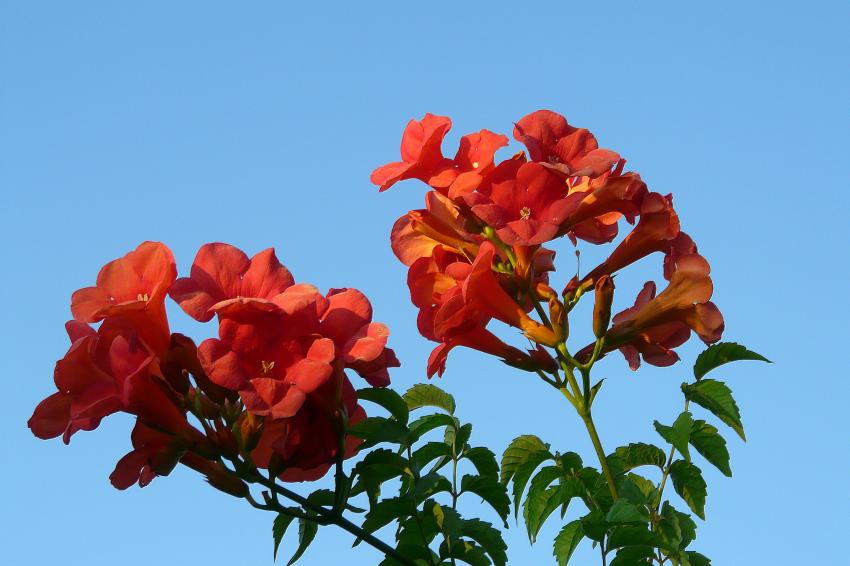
(258, 125)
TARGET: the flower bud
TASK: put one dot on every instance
(604, 291)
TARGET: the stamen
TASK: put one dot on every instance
(525, 213)
(267, 367)
(143, 297)
(475, 165)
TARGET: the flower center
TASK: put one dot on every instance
(143, 297)
(267, 367)
(525, 213)
(553, 159)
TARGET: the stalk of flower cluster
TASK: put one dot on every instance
(244, 470)
(580, 398)
(323, 516)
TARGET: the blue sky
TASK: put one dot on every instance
(258, 125)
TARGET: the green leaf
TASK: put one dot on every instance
(567, 541)
(388, 399)
(633, 556)
(570, 461)
(518, 452)
(717, 398)
(523, 474)
(708, 442)
(669, 527)
(427, 423)
(385, 512)
(488, 537)
(377, 467)
(636, 489)
(427, 395)
(430, 452)
(678, 434)
(689, 484)
(697, 559)
(624, 511)
(541, 501)
(594, 526)
(307, 530)
(464, 551)
(490, 490)
(640, 454)
(484, 461)
(448, 520)
(457, 438)
(375, 430)
(722, 353)
(431, 484)
(632, 535)
(281, 523)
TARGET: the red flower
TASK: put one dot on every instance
(656, 325)
(421, 155)
(441, 223)
(483, 293)
(154, 454)
(134, 287)
(657, 231)
(307, 445)
(572, 151)
(524, 202)
(605, 201)
(222, 274)
(102, 373)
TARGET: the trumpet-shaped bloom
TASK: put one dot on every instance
(569, 150)
(657, 324)
(134, 287)
(222, 274)
(527, 208)
(421, 155)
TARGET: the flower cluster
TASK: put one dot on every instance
(271, 390)
(476, 252)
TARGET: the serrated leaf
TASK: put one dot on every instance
(688, 526)
(716, 397)
(636, 489)
(689, 484)
(570, 461)
(426, 424)
(430, 484)
(448, 520)
(385, 512)
(678, 434)
(669, 528)
(697, 559)
(429, 452)
(633, 556)
(307, 530)
(457, 438)
(377, 467)
(632, 535)
(567, 541)
(464, 551)
(489, 538)
(624, 511)
(281, 523)
(490, 490)
(707, 441)
(375, 430)
(484, 461)
(640, 454)
(388, 399)
(523, 474)
(541, 501)
(428, 395)
(518, 452)
(722, 353)
(594, 526)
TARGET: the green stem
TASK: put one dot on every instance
(600, 452)
(327, 516)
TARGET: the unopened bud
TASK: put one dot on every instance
(604, 291)
(558, 317)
